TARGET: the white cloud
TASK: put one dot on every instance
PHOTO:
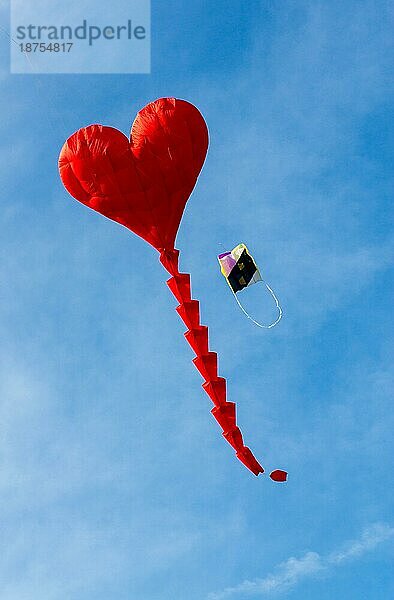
(288, 574)
(371, 537)
(291, 572)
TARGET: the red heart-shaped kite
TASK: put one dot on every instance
(144, 184)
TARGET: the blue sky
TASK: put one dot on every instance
(114, 479)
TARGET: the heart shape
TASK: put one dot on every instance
(143, 183)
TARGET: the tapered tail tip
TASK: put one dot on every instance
(278, 475)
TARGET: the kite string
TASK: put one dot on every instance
(26, 54)
(53, 116)
(278, 306)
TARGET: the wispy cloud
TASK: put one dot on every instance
(371, 537)
(291, 572)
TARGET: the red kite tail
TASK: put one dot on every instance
(206, 362)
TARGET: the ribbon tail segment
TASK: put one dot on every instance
(206, 361)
